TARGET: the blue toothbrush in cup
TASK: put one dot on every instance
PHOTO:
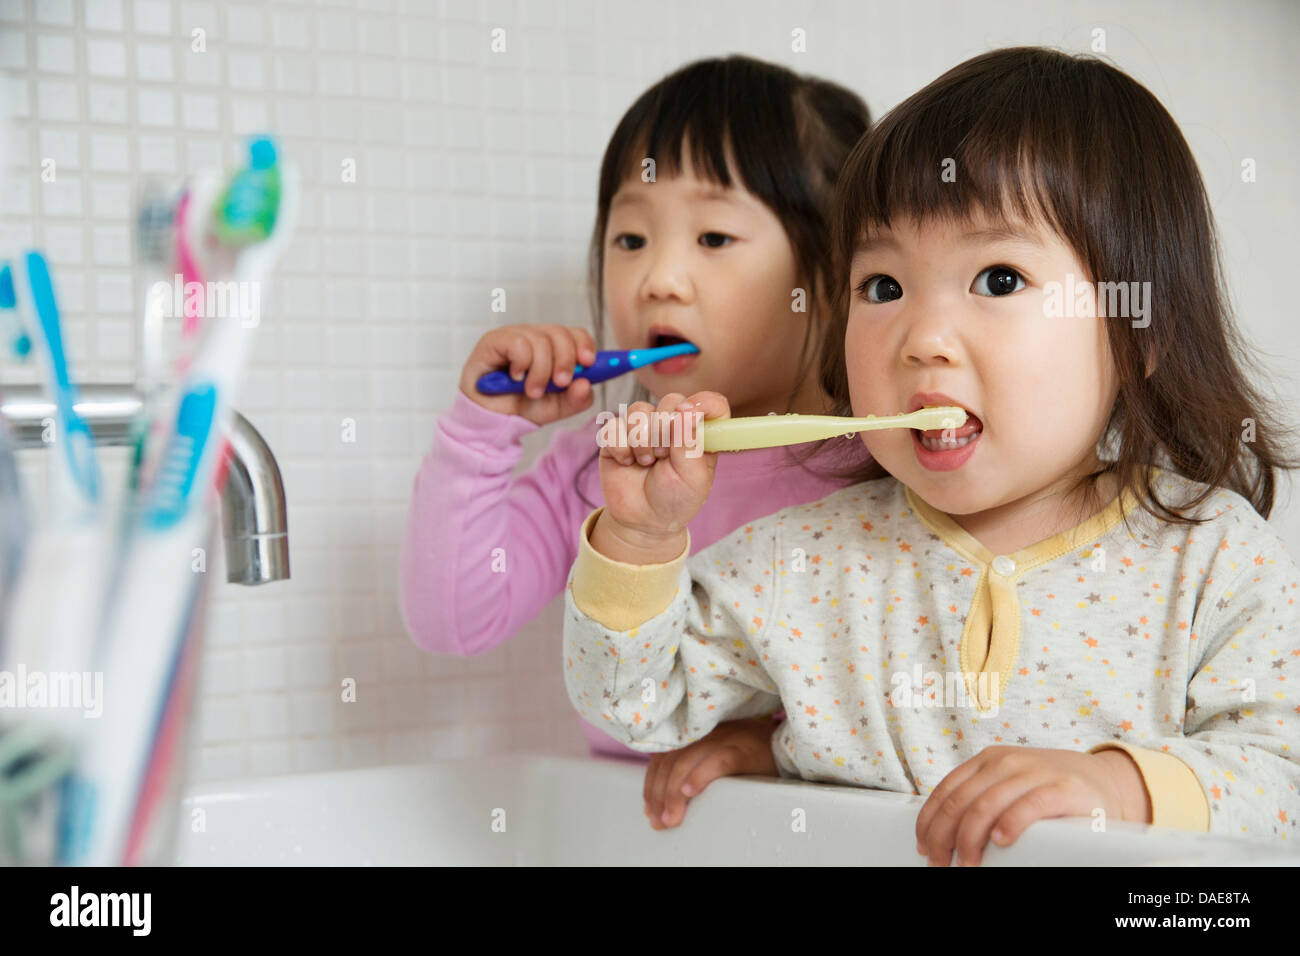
(607, 365)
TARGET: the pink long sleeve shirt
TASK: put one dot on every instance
(466, 504)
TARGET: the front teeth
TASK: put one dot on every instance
(946, 444)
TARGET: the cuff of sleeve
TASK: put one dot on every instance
(1177, 799)
(618, 595)
(470, 422)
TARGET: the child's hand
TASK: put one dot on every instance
(734, 747)
(1000, 791)
(657, 481)
(545, 353)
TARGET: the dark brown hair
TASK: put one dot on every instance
(1072, 142)
(787, 136)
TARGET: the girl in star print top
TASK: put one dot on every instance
(1089, 555)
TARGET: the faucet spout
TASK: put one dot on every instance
(254, 516)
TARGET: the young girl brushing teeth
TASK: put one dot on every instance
(1099, 636)
(711, 227)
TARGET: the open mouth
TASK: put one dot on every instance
(661, 336)
(949, 439)
(660, 339)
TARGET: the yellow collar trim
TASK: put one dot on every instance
(1033, 555)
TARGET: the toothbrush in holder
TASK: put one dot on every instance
(152, 626)
(607, 365)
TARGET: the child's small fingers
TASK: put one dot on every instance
(688, 440)
(632, 432)
(650, 767)
(691, 758)
(639, 436)
(565, 354)
(577, 396)
(669, 430)
(674, 809)
(674, 800)
(938, 797)
(714, 405)
(654, 788)
(586, 346)
(615, 444)
(611, 450)
(721, 763)
(605, 439)
(519, 352)
(670, 402)
(539, 374)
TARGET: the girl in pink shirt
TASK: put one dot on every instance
(711, 227)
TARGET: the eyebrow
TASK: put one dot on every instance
(715, 191)
(709, 193)
(991, 234)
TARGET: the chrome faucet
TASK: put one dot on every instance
(254, 519)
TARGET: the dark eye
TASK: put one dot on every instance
(708, 239)
(998, 280)
(880, 289)
(637, 241)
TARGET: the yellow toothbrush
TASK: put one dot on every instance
(767, 431)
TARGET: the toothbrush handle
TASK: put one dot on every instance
(607, 365)
(769, 431)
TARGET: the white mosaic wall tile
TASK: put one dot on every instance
(474, 170)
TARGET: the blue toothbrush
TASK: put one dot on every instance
(607, 365)
(29, 286)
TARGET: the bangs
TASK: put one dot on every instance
(992, 170)
(709, 113)
(666, 134)
(1006, 140)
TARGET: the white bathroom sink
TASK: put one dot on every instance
(541, 810)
